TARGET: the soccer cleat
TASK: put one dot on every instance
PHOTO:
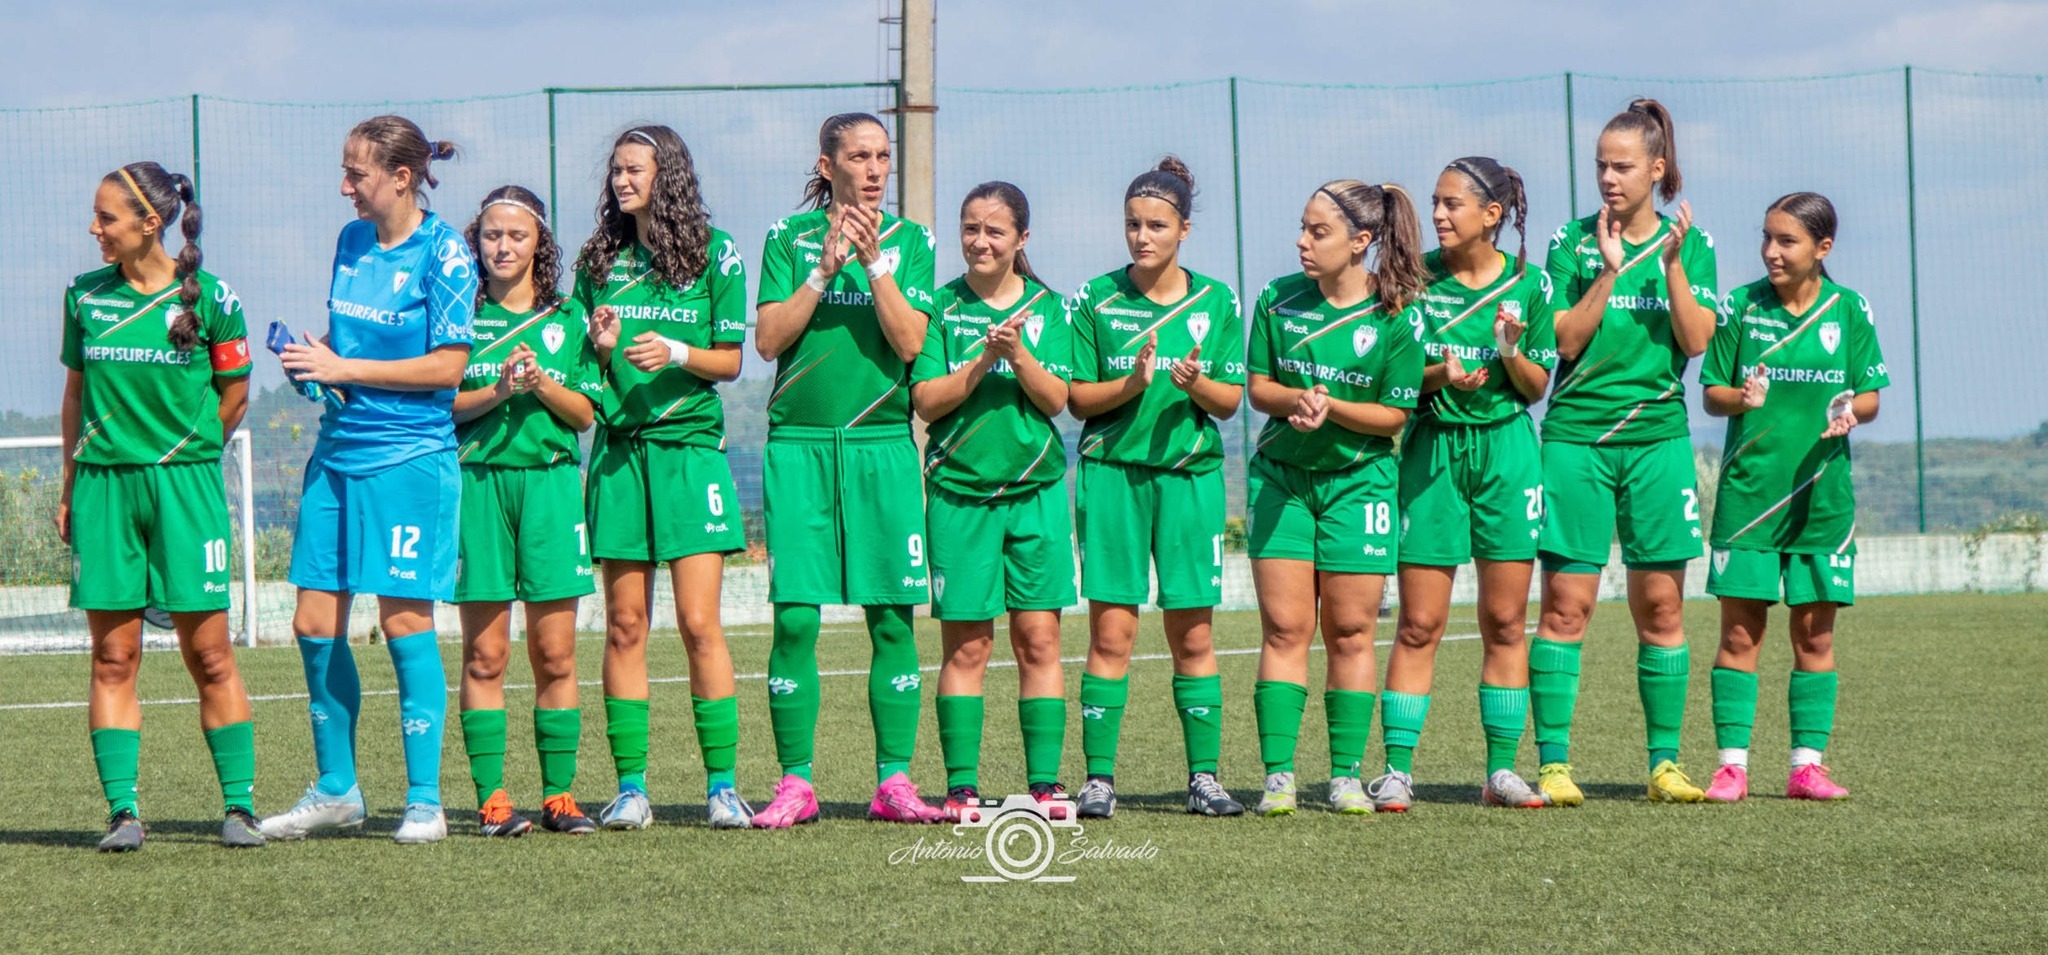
(1811, 782)
(1347, 796)
(314, 812)
(498, 818)
(238, 831)
(963, 805)
(423, 823)
(629, 811)
(1097, 799)
(1505, 789)
(559, 813)
(124, 833)
(1555, 779)
(1207, 797)
(1280, 798)
(1668, 783)
(724, 809)
(1731, 784)
(795, 803)
(896, 800)
(1392, 792)
(1053, 797)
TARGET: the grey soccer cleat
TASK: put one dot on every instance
(1347, 796)
(424, 822)
(1393, 792)
(124, 833)
(316, 811)
(238, 831)
(1504, 788)
(1280, 798)
(1096, 800)
(1207, 797)
(726, 810)
(629, 811)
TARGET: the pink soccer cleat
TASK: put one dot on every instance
(1731, 784)
(1811, 782)
(795, 803)
(896, 800)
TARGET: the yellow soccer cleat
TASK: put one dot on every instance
(1668, 783)
(1555, 780)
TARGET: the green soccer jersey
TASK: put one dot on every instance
(1460, 318)
(841, 371)
(997, 444)
(146, 402)
(1360, 353)
(520, 432)
(670, 404)
(1782, 487)
(1628, 386)
(1162, 428)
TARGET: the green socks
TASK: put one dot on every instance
(118, 753)
(793, 686)
(960, 720)
(556, 736)
(1661, 676)
(1044, 720)
(1401, 716)
(625, 724)
(234, 762)
(718, 737)
(1812, 699)
(1277, 705)
(1734, 707)
(1553, 691)
(894, 689)
(1502, 711)
(1350, 716)
(1102, 720)
(1200, 702)
(483, 736)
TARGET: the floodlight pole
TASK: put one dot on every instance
(917, 101)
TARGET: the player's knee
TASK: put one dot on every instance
(115, 665)
(214, 665)
(1194, 646)
(1503, 626)
(1351, 636)
(1662, 620)
(971, 654)
(700, 627)
(1417, 633)
(1565, 619)
(484, 668)
(1039, 653)
(1807, 644)
(553, 667)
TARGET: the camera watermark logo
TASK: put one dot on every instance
(1021, 840)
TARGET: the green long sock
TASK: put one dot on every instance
(793, 687)
(1811, 698)
(894, 689)
(1350, 716)
(1553, 691)
(960, 718)
(118, 754)
(1502, 711)
(1200, 702)
(1661, 677)
(718, 738)
(483, 736)
(234, 763)
(557, 734)
(1277, 705)
(1102, 720)
(1401, 719)
(1734, 707)
(625, 724)
(1044, 720)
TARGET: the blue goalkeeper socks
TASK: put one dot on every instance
(334, 698)
(422, 709)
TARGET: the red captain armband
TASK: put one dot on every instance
(229, 356)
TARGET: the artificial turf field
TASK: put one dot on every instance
(1942, 847)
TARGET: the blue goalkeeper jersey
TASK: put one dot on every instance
(385, 305)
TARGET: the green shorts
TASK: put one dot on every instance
(1345, 521)
(149, 536)
(1767, 574)
(522, 535)
(1133, 519)
(654, 501)
(1646, 492)
(1013, 554)
(1471, 491)
(845, 516)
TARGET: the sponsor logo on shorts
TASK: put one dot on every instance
(909, 581)
(404, 574)
(214, 588)
(710, 528)
(1371, 551)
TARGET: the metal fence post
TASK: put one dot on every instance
(1913, 270)
(1244, 416)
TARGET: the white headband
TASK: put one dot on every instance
(641, 136)
(516, 204)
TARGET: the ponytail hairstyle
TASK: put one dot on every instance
(1387, 214)
(170, 197)
(1169, 182)
(1493, 182)
(1649, 119)
(397, 143)
(546, 270)
(1815, 214)
(818, 191)
(1013, 199)
(678, 225)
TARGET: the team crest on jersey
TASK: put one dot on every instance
(890, 259)
(1364, 338)
(1198, 326)
(552, 336)
(172, 314)
(1830, 335)
(1034, 326)
(938, 586)
(398, 279)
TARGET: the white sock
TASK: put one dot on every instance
(1735, 757)
(1802, 756)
